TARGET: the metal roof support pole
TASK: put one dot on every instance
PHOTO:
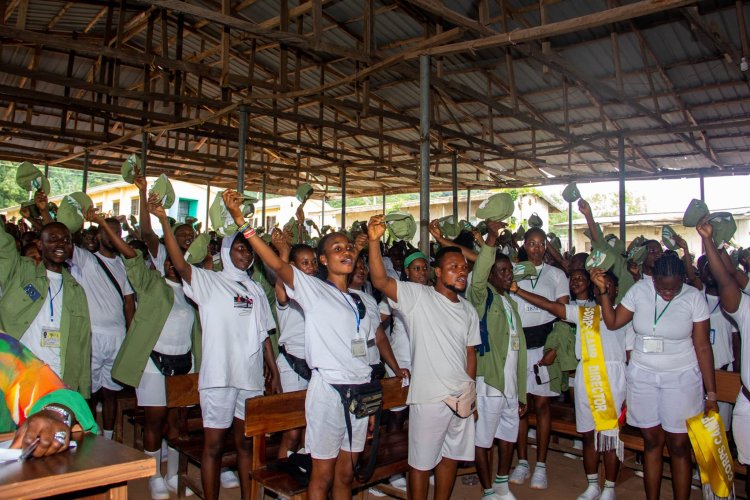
(46, 170)
(454, 181)
(468, 204)
(343, 198)
(208, 205)
(242, 144)
(621, 168)
(263, 202)
(384, 195)
(322, 213)
(703, 188)
(424, 154)
(570, 227)
(85, 170)
(144, 152)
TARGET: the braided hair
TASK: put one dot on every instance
(669, 265)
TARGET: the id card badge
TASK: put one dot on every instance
(515, 343)
(653, 345)
(50, 338)
(712, 335)
(359, 348)
(530, 308)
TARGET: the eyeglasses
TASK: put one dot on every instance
(361, 308)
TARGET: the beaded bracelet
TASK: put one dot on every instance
(248, 233)
(244, 226)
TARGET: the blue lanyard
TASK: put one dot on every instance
(705, 295)
(356, 314)
(51, 301)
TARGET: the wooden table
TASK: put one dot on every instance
(98, 469)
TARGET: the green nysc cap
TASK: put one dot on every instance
(304, 191)
(615, 243)
(520, 233)
(637, 242)
(400, 226)
(638, 254)
(535, 220)
(131, 168)
(668, 237)
(600, 259)
(497, 207)
(523, 270)
(164, 191)
(724, 227)
(571, 193)
(30, 178)
(505, 236)
(450, 226)
(221, 219)
(72, 208)
(554, 240)
(198, 249)
(695, 211)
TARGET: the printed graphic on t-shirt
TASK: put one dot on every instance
(241, 302)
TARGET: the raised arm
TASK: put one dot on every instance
(585, 209)
(556, 256)
(280, 241)
(554, 308)
(174, 251)
(40, 198)
(144, 216)
(123, 248)
(729, 290)
(689, 270)
(283, 270)
(469, 254)
(378, 276)
(613, 318)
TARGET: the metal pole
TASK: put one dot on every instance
(454, 181)
(424, 154)
(46, 171)
(208, 205)
(323, 212)
(570, 227)
(468, 204)
(144, 153)
(343, 198)
(621, 166)
(85, 170)
(263, 201)
(703, 188)
(384, 195)
(242, 143)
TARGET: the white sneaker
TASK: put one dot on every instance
(491, 496)
(375, 492)
(229, 479)
(503, 495)
(607, 494)
(399, 482)
(539, 479)
(520, 474)
(592, 492)
(172, 486)
(158, 488)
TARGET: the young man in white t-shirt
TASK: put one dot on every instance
(111, 308)
(444, 329)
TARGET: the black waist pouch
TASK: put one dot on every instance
(362, 400)
(170, 365)
(299, 365)
(536, 336)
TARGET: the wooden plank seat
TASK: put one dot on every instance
(282, 412)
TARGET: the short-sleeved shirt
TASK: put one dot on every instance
(176, 335)
(440, 332)
(236, 318)
(674, 325)
(742, 317)
(37, 338)
(159, 259)
(398, 336)
(613, 342)
(292, 326)
(550, 283)
(720, 332)
(331, 318)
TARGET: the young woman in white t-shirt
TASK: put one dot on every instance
(670, 366)
(338, 324)
(235, 317)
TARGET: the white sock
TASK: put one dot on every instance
(164, 447)
(500, 484)
(609, 484)
(156, 455)
(541, 465)
(108, 434)
(523, 463)
(173, 459)
(593, 479)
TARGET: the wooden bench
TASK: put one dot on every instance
(283, 412)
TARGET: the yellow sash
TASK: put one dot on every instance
(595, 377)
(712, 454)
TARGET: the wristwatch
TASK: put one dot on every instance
(63, 412)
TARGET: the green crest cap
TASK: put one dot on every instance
(505, 236)
(71, 212)
(164, 191)
(450, 227)
(535, 220)
(221, 220)
(724, 227)
(638, 254)
(637, 242)
(131, 168)
(304, 191)
(615, 243)
(30, 178)
(571, 193)
(602, 260)
(520, 233)
(555, 242)
(523, 270)
(668, 237)
(497, 207)
(482, 227)
(401, 225)
(695, 211)
(198, 249)
(84, 201)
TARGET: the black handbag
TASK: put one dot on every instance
(169, 365)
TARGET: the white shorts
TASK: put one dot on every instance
(151, 391)
(498, 418)
(220, 405)
(666, 398)
(741, 428)
(436, 432)
(532, 357)
(326, 432)
(290, 381)
(104, 349)
(616, 375)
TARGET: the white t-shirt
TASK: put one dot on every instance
(175, 337)
(613, 342)
(720, 332)
(440, 332)
(398, 337)
(331, 333)
(105, 304)
(550, 283)
(742, 317)
(292, 326)
(373, 353)
(236, 319)
(159, 259)
(674, 326)
(43, 335)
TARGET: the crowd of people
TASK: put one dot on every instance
(488, 327)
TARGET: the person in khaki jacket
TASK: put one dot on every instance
(45, 308)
